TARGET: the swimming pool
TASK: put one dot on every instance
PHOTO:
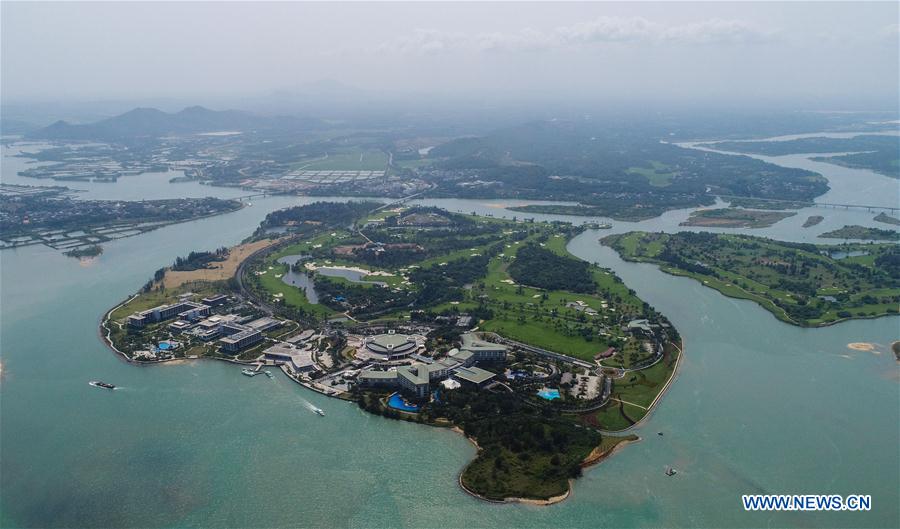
(396, 401)
(518, 373)
(548, 394)
(164, 346)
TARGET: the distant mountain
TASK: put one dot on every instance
(152, 123)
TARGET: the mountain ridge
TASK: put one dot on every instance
(148, 122)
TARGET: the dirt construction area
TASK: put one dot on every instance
(217, 271)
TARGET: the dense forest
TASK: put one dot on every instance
(525, 451)
(538, 267)
(339, 214)
(198, 260)
(439, 284)
(361, 300)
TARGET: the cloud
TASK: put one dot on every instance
(891, 32)
(717, 31)
(610, 29)
(594, 32)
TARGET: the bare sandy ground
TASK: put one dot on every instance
(217, 271)
(864, 346)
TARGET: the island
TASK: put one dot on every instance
(486, 326)
(812, 220)
(765, 203)
(85, 252)
(578, 210)
(802, 284)
(862, 233)
(887, 219)
(50, 216)
(735, 218)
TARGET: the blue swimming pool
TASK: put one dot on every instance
(396, 401)
(548, 394)
(163, 346)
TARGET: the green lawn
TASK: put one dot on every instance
(369, 160)
(525, 314)
(787, 280)
(658, 176)
(292, 296)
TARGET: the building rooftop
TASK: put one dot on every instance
(390, 341)
(417, 374)
(264, 323)
(475, 375)
(391, 344)
(234, 338)
(471, 342)
(281, 349)
(462, 356)
(449, 363)
(366, 373)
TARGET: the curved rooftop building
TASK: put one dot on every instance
(391, 345)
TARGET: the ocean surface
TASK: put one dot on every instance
(758, 406)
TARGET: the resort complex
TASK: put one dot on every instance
(419, 314)
(417, 377)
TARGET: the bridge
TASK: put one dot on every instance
(801, 204)
(256, 195)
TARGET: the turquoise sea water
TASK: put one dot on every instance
(758, 407)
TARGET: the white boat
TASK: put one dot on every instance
(319, 412)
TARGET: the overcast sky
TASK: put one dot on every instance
(654, 51)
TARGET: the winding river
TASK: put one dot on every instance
(758, 406)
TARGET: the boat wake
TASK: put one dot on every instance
(311, 407)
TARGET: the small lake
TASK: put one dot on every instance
(354, 276)
(304, 281)
(301, 280)
(844, 255)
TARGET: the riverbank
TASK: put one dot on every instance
(859, 283)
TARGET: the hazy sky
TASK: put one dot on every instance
(616, 51)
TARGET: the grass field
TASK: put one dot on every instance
(370, 160)
(413, 164)
(291, 295)
(658, 176)
(760, 270)
(525, 314)
(156, 297)
(632, 395)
